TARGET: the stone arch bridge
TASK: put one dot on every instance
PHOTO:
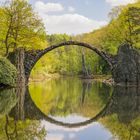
(125, 66)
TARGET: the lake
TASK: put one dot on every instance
(70, 109)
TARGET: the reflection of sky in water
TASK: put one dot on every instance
(73, 118)
(94, 131)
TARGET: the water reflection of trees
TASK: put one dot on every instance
(121, 115)
(13, 125)
(8, 100)
(126, 103)
(22, 130)
(62, 97)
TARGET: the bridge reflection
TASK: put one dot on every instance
(125, 102)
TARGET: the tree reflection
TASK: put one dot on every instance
(62, 97)
(14, 126)
(123, 117)
(120, 114)
(13, 133)
(86, 87)
(8, 100)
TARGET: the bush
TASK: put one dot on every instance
(8, 72)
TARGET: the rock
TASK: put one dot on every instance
(8, 73)
(126, 69)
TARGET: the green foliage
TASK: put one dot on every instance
(20, 26)
(8, 72)
(123, 27)
(64, 60)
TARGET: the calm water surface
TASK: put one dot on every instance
(70, 109)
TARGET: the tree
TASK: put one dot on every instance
(115, 12)
(20, 26)
(126, 24)
(133, 22)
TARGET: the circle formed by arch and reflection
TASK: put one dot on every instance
(50, 107)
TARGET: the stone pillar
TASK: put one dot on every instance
(19, 63)
(21, 81)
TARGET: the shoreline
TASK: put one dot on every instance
(107, 79)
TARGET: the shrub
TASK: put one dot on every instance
(8, 72)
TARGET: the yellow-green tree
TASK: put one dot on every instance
(124, 26)
(20, 26)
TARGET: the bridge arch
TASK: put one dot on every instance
(31, 57)
(104, 112)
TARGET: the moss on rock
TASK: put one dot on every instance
(8, 72)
